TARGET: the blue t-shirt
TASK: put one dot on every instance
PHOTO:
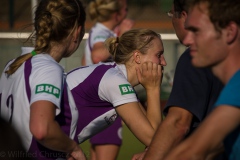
(230, 96)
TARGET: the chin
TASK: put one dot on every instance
(198, 64)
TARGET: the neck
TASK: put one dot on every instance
(227, 68)
(57, 53)
(132, 74)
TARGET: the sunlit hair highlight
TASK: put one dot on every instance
(54, 22)
(102, 10)
(122, 48)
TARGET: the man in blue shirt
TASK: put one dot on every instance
(214, 39)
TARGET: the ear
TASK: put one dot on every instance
(79, 30)
(77, 34)
(232, 32)
(184, 15)
(137, 57)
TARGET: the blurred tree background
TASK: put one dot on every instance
(147, 14)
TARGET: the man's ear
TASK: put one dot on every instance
(137, 57)
(232, 32)
(184, 15)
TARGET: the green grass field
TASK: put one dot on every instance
(130, 145)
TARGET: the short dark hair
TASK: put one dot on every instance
(221, 12)
(180, 5)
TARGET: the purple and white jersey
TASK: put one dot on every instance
(26, 50)
(94, 91)
(39, 78)
(98, 33)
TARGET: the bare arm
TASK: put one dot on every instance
(144, 125)
(215, 127)
(142, 108)
(170, 133)
(99, 53)
(48, 132)
(136, 121)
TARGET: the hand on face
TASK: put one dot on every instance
(150, 75)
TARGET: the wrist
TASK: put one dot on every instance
(153, 91)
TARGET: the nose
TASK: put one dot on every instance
(187, 41)
(163, 61)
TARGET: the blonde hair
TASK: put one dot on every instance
(101, 10)
(54, 22)
(122, 48)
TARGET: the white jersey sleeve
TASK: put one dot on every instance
(46, 81)
(115, 88)
(100, 33)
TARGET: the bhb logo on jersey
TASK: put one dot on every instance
(126, 89)
(48, 88)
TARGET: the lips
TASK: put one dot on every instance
(193, 52)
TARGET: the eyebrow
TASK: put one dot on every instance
(161, 52)
(191, 28)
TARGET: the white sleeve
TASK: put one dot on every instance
(115, 89)
(46, 82)
(99, 36)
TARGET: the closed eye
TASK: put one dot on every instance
(159, 54)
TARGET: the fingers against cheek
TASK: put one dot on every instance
(144, 67)
(155, 66)
(149, 67)
(160, 69)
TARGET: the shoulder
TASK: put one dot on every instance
(45, 61)
(115, 83)
(45, 65)
(185, 58)
(229, 94)
(233, 85)
(93, 74)
(235, 77)
(100, 32)
(114, 75)
(114, 72)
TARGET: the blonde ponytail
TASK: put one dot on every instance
(17, 63)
